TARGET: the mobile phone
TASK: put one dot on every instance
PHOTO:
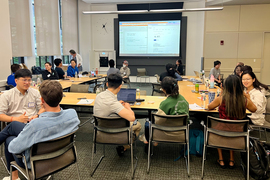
(80, 98)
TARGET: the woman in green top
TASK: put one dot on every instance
(174, 104)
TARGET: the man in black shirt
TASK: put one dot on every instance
(58, 69)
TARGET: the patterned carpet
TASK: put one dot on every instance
(162, 166)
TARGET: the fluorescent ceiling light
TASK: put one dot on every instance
(154, 11)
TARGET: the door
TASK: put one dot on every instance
(265, 75)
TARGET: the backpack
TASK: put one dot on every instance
(258, 160)
(196, 143)
(36, 70)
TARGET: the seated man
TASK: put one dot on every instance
(21, 102)
(58, 69)
(72, 68)
(53, 123)
(112, 69)
(11, 78)
(125, 72)
(106, 104)
(215, 71)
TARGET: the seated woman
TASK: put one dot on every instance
(170, 71)
(179, 67)
(238, 71)
(256, 91)
(232, 103)
(174, 104)
(49, 73)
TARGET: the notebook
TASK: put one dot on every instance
(127, 95)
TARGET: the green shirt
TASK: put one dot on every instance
(175, 106)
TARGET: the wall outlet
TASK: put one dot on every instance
(254, 60)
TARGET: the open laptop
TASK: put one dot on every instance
(197, 73)
(127, 95)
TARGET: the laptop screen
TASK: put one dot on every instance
(127, 95)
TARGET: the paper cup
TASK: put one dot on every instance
(211, 96)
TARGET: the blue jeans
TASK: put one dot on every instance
(10, 132)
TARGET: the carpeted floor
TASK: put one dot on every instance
(162, 166)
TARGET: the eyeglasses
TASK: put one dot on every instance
(246, 79)
(26, 80)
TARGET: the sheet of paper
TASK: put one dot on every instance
(86, 101)
(195, 107)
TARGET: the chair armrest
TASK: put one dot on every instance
(134, 122)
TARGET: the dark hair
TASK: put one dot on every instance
(73, 60)
(256, 84)
(240, 63)
(179, 61)
(23, 73)
(216, 63)
(170, 86)
(48, 63)
(72, 51)
(233, 97)
(170, 70)
(114, 81)
(111, 63)
(15, 67)
(51, 92)
(57, 61)
(246, 68)
(236, 68)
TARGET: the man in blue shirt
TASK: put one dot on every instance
(11, 78)
(53, 123)
(72, 68)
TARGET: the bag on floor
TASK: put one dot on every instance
(196, 142)
(258, 160)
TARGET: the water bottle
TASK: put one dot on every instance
(218, 92)
(96, 71)
(138, 93)
(203, 99)
(38, 82)
(196, 88)
(66, 75)
(212, 81)
(76, 74)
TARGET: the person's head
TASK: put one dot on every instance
(51, 93)
(111, 63)
(15, 67)
(125, 63)
(48, 66)
(170, 69)
(58, 62)
(240, 63)
(233, 97)
(250, 81)
(178, 62)
(217, 64)
(73, 63)
(246, 68)
(115, 81)
(72, 52)
(238, 70)
(169, 86)
(23, 79)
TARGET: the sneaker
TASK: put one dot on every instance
(8, 178)
(120, 150)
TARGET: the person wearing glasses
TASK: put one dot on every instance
(21, 103)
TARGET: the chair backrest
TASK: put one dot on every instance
(221, 132)
(156, 91)
(82, 88)
(267, 111)
(141, 72)
(167, 128)
(100, 87)
(111, 130)
(52, 156)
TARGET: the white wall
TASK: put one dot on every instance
(5, 36)
(195, 37)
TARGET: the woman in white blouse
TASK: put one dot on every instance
(255, 90)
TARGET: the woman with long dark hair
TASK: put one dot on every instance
(232, 103)
(256, 91)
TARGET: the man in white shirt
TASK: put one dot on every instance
(21, 103)
(77, 57)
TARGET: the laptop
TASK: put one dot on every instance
(197, 73)
(127, 95)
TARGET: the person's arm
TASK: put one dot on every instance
(56, 74)
(254, 104)
(215, 103)
(178, 77)
(69, 72)
(79, 59)
(127, 112)
(128, 72)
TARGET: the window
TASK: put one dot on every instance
(65, 59)
(17, 60)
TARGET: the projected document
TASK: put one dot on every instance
(149, 38)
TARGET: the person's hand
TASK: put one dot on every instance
(22, 118)
(122, 102)
(33, 117)
(247, 95)
(126, 105)
(124, 76)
